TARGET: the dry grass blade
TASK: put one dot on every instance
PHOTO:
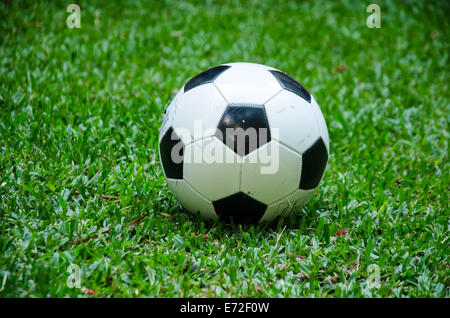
(168, 215)
(87, 239)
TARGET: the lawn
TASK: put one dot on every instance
(84, 207)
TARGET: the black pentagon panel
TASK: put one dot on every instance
(207, 76)
(290, 84)
(314, 161)
(244, 128)
(239, 208)
(173, 167)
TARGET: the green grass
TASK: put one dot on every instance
(80, 111)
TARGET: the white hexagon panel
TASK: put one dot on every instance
(212, 168)
(191, 200)
(290, 204)
(270, 172)
(293, 117)
(198, 112)
(247, 83)
(169, 114)
(321, 124)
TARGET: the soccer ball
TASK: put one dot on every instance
(244, 143)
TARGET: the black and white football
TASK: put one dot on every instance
(243, 142)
